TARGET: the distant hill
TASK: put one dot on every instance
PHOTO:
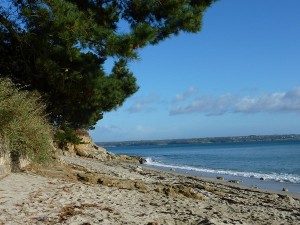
(250, 138)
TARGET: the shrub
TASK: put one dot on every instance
(65, 135)
(24, 129)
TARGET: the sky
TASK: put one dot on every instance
(239, 76)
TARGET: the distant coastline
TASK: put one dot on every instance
(232, 139)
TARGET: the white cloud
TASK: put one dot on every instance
(273, 102)
(206, 104)
(189, 92)
(144, 104)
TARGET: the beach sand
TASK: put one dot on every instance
(86, 191)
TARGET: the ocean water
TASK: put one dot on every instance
(271, 165)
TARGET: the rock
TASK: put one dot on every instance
(138, 169)
(11, 162)
(262, 178)
(42, 218)
(142, 160)
(70, 148)
(82, 151)
(220, 178)
(84, 148)
(90, 150)
(285, 189)
(172, 169)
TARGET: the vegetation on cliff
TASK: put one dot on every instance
(24, 129)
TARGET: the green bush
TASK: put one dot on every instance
(24, 129)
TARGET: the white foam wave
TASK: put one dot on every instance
(272, 176)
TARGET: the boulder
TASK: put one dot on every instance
(85, 147)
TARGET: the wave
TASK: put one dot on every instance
(293, 178)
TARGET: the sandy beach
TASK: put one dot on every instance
(87, 191)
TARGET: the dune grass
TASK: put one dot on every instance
(24, 129)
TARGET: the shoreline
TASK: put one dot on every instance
(88, 191)
(259, 170)
(247, 182)
(226, 182)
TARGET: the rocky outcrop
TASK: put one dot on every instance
(87, 148)
(11, 161)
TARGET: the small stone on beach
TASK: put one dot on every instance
(138, 169)
(42, 218)
(285, 189)
(220, 178)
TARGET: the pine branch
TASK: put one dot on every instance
(9, 26)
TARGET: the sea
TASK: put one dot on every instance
(272, 165)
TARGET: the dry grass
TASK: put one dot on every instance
(24, 129)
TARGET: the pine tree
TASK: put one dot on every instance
(59, 47)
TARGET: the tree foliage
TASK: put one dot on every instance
(59, 47)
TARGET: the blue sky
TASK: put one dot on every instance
(238, 76)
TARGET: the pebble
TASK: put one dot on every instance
(42, 218)
(285, 189)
